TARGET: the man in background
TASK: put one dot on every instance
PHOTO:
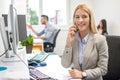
(47, 33)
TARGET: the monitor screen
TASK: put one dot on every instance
(5, 16)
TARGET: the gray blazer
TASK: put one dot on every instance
(95, 58)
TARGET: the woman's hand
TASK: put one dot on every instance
(71, 35)
(75, 73)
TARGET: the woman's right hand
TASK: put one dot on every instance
(71, 35)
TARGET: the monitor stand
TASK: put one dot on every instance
(11, 58)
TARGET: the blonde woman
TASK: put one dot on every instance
(85, 50)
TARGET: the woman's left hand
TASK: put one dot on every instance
(75, 73)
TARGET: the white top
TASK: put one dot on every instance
(100, 31)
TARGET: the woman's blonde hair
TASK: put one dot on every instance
(84, 7)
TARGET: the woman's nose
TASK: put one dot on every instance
(80, 19)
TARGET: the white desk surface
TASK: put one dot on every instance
(37, 41)
(15, 70)
(54, 68)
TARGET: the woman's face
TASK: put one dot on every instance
(82, 20)
(101, 25)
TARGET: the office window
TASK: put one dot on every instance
(56, 10)
(20, 6)
(32, 11)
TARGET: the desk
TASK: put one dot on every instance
(15, 70)
(54, 68)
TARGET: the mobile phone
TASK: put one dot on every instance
(76, 27)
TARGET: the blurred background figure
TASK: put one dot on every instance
(47, 33)
(102, 27)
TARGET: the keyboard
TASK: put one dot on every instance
(39, 57)
(38, 75)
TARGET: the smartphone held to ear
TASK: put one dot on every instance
(76, 27)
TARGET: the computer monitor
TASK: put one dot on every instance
(11, 38)
(21, 25)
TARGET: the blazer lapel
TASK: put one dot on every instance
(88, 48)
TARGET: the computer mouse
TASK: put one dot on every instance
(32, 63)
(42, 63)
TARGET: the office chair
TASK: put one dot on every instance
(114, 58)
(49, 47)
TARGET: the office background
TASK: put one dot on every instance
(108, 9)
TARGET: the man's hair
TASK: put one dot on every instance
(45, 16)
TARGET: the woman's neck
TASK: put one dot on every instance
(83, 34)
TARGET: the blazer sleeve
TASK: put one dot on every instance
(66, 59)
(102, 63)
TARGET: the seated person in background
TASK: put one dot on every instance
(47, 33)
(85, 51)
(102, 27)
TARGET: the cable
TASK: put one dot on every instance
(11, 46)
(20, 58)
(4, 53)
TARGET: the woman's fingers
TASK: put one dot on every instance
(73, 28)
(75, 73)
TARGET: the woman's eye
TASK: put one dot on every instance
(77, 17)
(84, 16)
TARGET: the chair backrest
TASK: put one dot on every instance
(49, 47)
(55, 36)
(114, 58)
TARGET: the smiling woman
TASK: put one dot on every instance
(85, 50)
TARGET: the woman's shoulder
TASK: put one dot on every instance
(99, 38)
(100, 41)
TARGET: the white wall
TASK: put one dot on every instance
(110, 10)
(4, 5)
